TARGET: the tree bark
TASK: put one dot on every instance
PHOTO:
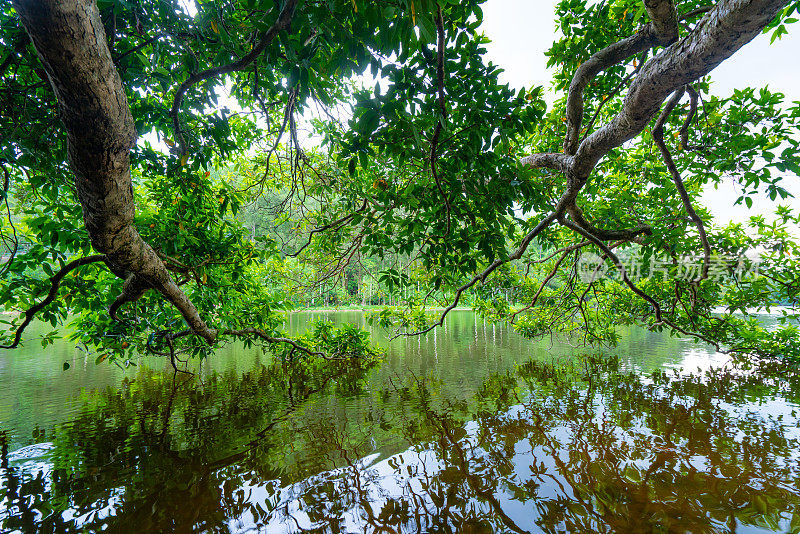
(723, 31)
(69, 38)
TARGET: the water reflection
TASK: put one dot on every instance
(314, 446)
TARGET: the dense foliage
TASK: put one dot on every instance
(414, 188)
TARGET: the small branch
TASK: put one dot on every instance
(243, 332)
(658, 137)
(442, 110)
(264, 336)
(526, 241)
(606, 235)
(138, 47)
(13, 249)
(284, 19)
(55, 283)
(693, 13)
(19, 46)
(659, 314)
(693, 96)
(337, 223)
(549, 277)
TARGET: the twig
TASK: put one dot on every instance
(284, 19)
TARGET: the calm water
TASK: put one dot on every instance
(468, 429)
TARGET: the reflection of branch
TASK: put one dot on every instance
(462, 462)
(55, 283)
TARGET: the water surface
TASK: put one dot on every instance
(468, 429)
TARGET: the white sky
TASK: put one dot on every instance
(522, 30)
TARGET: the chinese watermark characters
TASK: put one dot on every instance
(688, 267)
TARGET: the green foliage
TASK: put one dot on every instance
(408, 198)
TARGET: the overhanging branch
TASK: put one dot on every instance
(55, 283)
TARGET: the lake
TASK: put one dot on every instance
(470, 428)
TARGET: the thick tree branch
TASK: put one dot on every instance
(664, 20)
(611, 55)
(662, 30)
(719, 34)
(55, 283)
(133, 289)
(69, 38)
(549, 160)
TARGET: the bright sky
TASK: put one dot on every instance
(522, 30)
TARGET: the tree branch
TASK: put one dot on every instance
(442, 111)
(55, 283)
(548, 160)
(658, 137)
(659, 314)
(606, 235)
(611, 55)
(284, 19)
(68, 37)
(724, 30)
(338, 223)
(664, 19)
(253, 332)
(526, 241)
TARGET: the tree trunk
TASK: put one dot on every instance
(71, 42)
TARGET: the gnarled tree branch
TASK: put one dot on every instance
(664, 20)
(69, 38)
(718, 35)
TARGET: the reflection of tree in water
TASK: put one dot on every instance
(551, 448)
(166, 453)
(584, 450)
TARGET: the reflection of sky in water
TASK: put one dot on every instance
(461, 356)
(401, 476)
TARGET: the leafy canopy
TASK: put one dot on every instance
(418, 161)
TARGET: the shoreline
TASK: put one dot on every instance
(332, 310)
